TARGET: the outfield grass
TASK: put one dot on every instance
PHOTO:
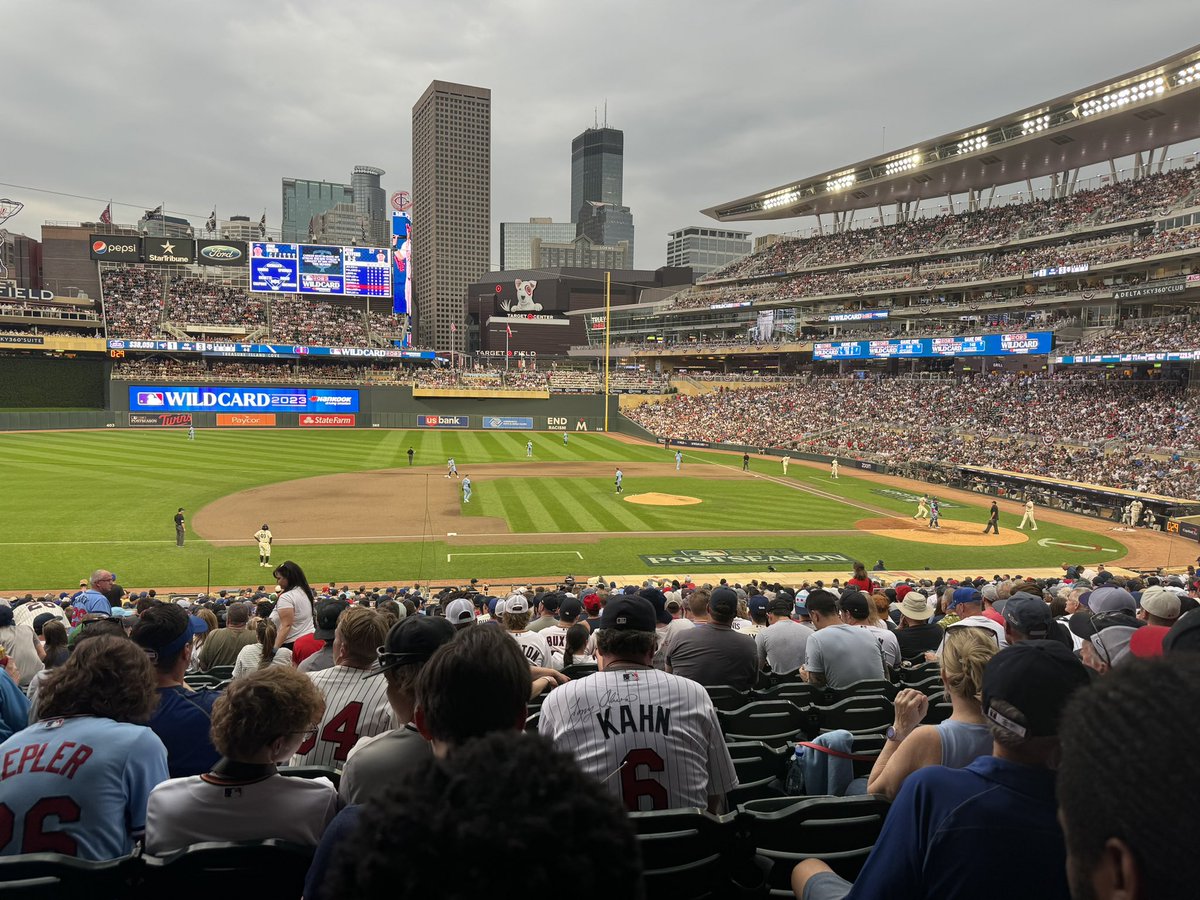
(75, 501)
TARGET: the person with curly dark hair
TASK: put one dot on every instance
(77, 782)
(474, 685)
(505, 786)
(1122, 831)
(257, 724)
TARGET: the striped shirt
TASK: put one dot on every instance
(651, 738)
(354, 708)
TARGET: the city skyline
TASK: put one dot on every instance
(233, 115)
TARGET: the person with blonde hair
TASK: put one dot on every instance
(955, 742)
(257, 724)
(263, 653)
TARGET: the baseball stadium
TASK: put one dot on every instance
(966, 393)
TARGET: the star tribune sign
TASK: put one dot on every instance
(170, 251)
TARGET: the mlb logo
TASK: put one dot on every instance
(150, 398)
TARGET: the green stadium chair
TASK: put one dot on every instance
(690, 854)
(919, 672)
(52, 876)
(927, 686)
(855, 714)
(531, 723)
(727, 698)
(755, 760)
(263, 870)
(580, 670)
(221, 673)
(799, 692)
(773, 722)
(871, 687)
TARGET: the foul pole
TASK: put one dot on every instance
(607, 329)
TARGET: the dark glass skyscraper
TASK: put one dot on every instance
(597, 167)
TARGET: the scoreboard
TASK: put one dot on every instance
(320, 270)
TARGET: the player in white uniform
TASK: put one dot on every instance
(785, 461)
(191, 432)
(1028, 517)
(922, 507)
(76, 783)
(651, 738)
(354, 707)
(833, 469)
(451, 468)
(565, 437)
(532, 644)
(265, 539)
(529, 449)
(678, 460)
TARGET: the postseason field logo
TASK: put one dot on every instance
(911, 498)
(741, 557)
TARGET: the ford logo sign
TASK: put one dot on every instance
(220, 251)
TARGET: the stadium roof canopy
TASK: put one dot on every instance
(1155, 106)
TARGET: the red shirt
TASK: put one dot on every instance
(305, 647)
(990, 613)
(862, 584)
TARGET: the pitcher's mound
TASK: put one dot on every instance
(958, 534)
(655, 499)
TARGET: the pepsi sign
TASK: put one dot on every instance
(115, 248)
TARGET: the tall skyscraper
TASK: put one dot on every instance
(597, 167)
(303, 200)
(371, 203)
(452, 207)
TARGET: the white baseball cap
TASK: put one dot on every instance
(516, 604)
(460, 611)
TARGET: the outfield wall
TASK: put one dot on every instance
(40, 382)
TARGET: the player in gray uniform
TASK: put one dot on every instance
(651, 738)
(620, 477)
(466, 486)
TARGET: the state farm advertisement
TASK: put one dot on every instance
(319, 421)
(246, 420)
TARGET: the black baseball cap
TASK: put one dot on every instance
(724, 602)
(327, 618)
(659, 601)
(628, 613)
(854, 603)
(570, 609)
(1036, 678)
(551, 600)
(414, 639)
(1029, 615)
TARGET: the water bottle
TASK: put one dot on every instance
(795, 775)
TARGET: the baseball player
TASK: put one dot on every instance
(451, 468)
(191, 432)
(466, 486)
(410, 455)
(1135, 513)
(786, 460)
(833, 469)
(745, 462)
(265, 539)
(678, 460)
(922, 507)
(1028, 517)
(935, 513)
(565, 437)
(620, 478)
(651, 738)
(179, 527)
(993, 522)
(529, 449)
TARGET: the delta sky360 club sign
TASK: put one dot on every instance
(742, 557)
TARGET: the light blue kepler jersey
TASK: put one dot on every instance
(78, 786)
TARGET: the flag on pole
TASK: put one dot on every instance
(156, 212)
(262, 226)
(508, 331)
(212, 220)
(106, 214)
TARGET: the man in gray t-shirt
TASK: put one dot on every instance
(838, 655)
(781, 645)
(713, 653)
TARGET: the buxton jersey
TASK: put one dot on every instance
(556, 640)
(354, 708)
(536, 649)
(651, 738)
(78, 786)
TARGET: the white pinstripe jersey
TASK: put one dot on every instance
(354, 707)
(650, 737)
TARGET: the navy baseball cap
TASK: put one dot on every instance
(626, 613)
(1028, 615)
(412, 640)
(1035, 678)
(758, 605)
(659, 601)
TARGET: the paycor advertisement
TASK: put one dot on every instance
(157, 398)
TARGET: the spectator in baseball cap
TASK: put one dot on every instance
(713, 653)
(781, 645)
(547, 605)
(1025, 689)
(328, 613)
(1111, 599)
(1105, 638)
(1118, 827)
(460, 613)
(1159, 606)
(1028, 618)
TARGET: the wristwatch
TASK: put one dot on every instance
(893, 734)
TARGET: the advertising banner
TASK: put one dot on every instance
(401, 263)
(913, 348)
(1189, 530)
(316, 421)
(245, 420)
(162, 420)
(1113, 359)
(443, 421)
(1152, 289)
(254, 399)
(116, 248)
(557, 423)
(169, 251)
(222, 348)
(515, 423)
(221, 253)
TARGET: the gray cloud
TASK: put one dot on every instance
(211, 103)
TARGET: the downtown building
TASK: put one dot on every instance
(451, 213)
(597, 187)
(706, 249)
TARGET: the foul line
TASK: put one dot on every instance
(449, 556)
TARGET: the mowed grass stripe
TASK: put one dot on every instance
(512, 506)
(582, 501)
(530, 496)
(570, 512)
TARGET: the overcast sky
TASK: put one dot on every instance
(211, 102)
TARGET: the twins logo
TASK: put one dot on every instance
(524, 301)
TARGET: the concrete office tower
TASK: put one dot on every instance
(452, 204)
(371, 203)
(597, 168)
(515, 238)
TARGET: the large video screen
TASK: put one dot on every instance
(190, 398)
(911, 348)
(320, 270)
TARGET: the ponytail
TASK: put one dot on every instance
(266, 632)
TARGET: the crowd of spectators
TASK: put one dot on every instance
(133, 301)
(1128, 434)
(1125, 201)
(197, 301)
(318, 323)
(1001, 700)
(1134, 336)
